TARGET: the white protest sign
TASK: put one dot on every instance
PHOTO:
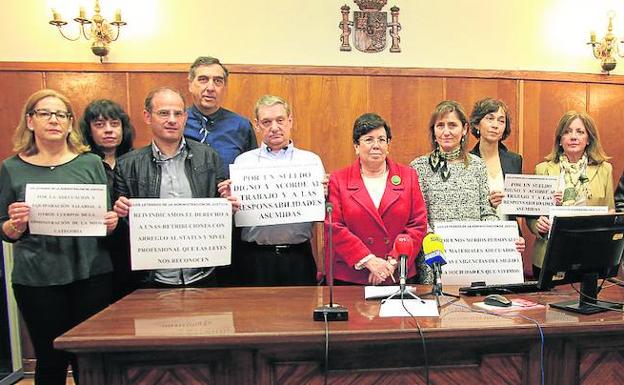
(480, 251)
(573, 211)
(528, 194)
(67, 209)
(180, 233)
(278, 194)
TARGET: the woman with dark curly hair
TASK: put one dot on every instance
(107, 130)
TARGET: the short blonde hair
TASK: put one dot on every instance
(595, 153)
(269, 101)
(24, 139)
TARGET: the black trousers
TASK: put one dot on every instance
(277, 265)
(50, 311)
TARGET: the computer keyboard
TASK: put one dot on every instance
(480, 288)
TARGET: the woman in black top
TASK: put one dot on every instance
(491, 124)
(107, 130)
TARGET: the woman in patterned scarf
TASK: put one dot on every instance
(453, 181)
(585, 176)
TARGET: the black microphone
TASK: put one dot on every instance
(332, 311)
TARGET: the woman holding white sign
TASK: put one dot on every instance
(374, 200)
(58, 281)
(585, 176)
(491, 124)
(453, 181)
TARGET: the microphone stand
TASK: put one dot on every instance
(436, 288)
(402, 277)
(331, 311)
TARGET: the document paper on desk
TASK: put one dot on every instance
(394, 308)
(379, 292)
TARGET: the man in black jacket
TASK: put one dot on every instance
(169, 167)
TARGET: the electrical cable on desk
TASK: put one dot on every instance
(326, 367)
(611, 285)
(616, 281)
(601, 300)
(422, 339)
(511, 316)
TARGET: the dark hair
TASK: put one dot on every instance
(107, 109)
(367, 123)
(488, 106)
(148, 99)
(206, 61)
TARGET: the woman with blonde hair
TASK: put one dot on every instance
(585, 176)
(58, 281)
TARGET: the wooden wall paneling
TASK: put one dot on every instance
(140, 84)
(544, 104)
(469, 91)
(306, 100)
(325, 108)
(16, 88)
(406, 104)
(244, 90)
(82, 88)
(605, 106)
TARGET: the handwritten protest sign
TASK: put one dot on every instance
(180, 233)
(480, 251)
(67, 209)
(278, 194)
(528, 194)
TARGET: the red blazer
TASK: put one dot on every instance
(360, 229)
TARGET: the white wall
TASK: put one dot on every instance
(547, 35)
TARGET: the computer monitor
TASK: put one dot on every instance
(583, 249)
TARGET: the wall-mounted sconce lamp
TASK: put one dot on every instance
(100, 30)
(606, 49)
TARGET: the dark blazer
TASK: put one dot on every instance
(619, 195)
(138, 174)
(511, 163)
(360, 229)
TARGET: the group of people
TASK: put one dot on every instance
(60, 281)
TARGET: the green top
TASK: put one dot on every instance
(44, 260)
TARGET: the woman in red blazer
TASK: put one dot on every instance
(374, 200)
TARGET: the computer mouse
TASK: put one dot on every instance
(497, 300)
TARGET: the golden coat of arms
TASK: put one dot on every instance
(370, 24)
